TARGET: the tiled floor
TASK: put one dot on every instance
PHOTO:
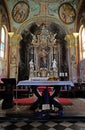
(49, 125)
(76, 109)
(27, 123)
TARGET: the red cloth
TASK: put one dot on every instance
(43, 87)
(63, 101)
(24, 100)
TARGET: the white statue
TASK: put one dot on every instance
(31, 64)
(54, 65)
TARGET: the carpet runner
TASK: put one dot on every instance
(24, 101)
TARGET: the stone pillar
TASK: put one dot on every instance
(14, 55)
(0, 22)
(0, 39)
(70, 40)
(77, 54)
(10, 34)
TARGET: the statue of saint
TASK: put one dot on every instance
(31, 64)
(54, 65)
(43, 63)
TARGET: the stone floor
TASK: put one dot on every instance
(37, 125)
(76, 109)
(73, 118)
(20, 118)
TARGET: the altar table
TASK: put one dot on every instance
(45, 98)
(44, 83)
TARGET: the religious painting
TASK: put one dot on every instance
(67, 13)
(43, 56)
(20, 12)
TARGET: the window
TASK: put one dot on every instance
(83, 42)
(2, 44)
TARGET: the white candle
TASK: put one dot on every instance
(66, 74)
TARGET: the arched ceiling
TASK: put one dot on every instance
(49, 1)
(41, 11)
(53, 27)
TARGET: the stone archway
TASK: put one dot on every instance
(57, 50)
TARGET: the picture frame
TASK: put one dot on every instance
(20, 11)
(67, 13)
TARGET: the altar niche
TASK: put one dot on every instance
(46, 51)
(44, 45)
(43, 59)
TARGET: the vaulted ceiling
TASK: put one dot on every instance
(20, 15)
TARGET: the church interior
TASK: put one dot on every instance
(42, 41)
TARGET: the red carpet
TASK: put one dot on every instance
(65, 101)
(23, 101)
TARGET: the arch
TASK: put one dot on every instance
(39, 20)
(5, 12)
(25, 47)
(80, 41)
(2, 44)
(77, 16)
(3, 52)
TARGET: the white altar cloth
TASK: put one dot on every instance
(44, 83)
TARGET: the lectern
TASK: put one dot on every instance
(9, 84)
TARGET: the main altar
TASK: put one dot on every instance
(42, 53)
(45, 58)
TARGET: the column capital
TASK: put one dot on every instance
(10, 34)
(75, 34)
(69, 38)
(14, 38)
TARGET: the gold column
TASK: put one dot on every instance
(77, 54)
(15, 39)
(14, 52)
(10, 34)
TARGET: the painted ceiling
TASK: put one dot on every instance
(24, 12)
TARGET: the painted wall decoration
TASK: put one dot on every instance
(67, 13)
(20, 12)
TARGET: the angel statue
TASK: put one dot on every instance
(54, 65)
(31, 64)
